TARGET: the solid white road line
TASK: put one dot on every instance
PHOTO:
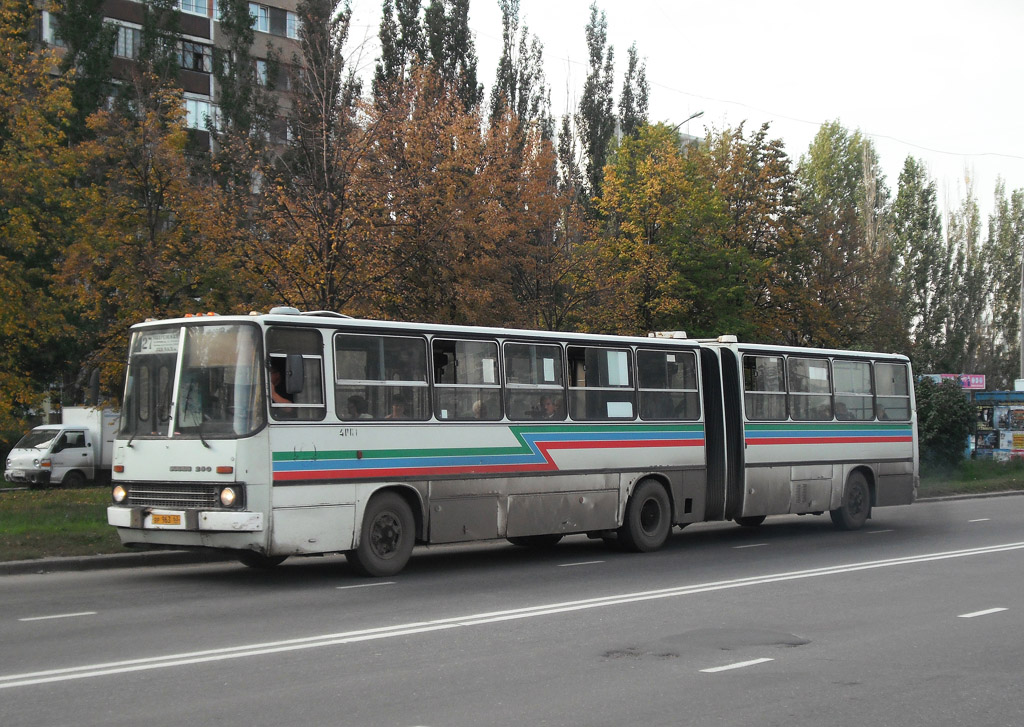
(981, 613)
(739, 665)
(388, 632)
(59, 615)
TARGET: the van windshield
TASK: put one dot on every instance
(203, 382)
(37, 439)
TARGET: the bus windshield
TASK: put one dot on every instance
(205, 382)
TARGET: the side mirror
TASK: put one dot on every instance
(294, 374)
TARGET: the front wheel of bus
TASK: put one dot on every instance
(387, 536)
(856, 505)
(648, 519)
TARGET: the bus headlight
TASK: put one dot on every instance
(119, 494)
(228, 497)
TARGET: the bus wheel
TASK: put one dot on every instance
(750, 521)
(648, 519)
(536, 541)
(387, 536)
(856, 505)
(252, 559)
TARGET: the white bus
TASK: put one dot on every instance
(310, 433)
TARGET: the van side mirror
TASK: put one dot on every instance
(294, 374)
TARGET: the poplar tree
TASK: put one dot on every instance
(595, 118)
(519, 82)
(633, 99)
(449, 46)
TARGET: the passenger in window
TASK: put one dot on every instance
(399, 408)
(278, 393)
(842, 413)
(880, 411)
(549, 408)
(357, 408)
(479, 409)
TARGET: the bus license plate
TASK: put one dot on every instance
(166, 519)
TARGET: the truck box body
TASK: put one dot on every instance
(71, 453)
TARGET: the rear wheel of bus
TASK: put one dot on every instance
(856, 504)
(386, 538)
(648, 520)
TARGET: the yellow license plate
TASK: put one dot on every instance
(166, 519)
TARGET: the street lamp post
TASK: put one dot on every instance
(688, 119)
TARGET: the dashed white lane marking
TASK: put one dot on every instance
(422, 627)
(986, 612)
(738, 665)
(875, 532)
(980, 520)
(58, 615)
(752, 545)
(366, 585)
(586, 562)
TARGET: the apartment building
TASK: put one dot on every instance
(275, 23)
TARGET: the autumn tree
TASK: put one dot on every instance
(38, 199)
(88, 58)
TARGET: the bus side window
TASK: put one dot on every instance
(668, 384)
(380, 377)
(892, 392)
(295, 362)
(810, 389)
(764, 387)
(534, 381)
(601, 383)
(853, 390)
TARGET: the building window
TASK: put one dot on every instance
(261, 72)
(51, 24)
(193, 7)
(197, 111)
(196, 57)
(128, 42)
(260, 17)
(293, 25)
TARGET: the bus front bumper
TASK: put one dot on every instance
(152, 518)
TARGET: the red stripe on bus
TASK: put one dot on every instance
(827, 440)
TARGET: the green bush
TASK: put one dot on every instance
(944, 419)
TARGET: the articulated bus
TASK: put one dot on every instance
(290, 433)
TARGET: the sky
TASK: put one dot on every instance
(935, 79)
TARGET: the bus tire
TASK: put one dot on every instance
(536, 541)
(252, 559)
(386, 538)
(648, 520)
(750, 521)
(856, 504)
(73, 480)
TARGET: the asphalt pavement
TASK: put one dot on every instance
(149, 558)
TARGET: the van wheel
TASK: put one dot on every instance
(386, 538)
(648, 519)
(856, 505)
(73, 480)
(252, 559)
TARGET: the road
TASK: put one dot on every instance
(918, 619)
